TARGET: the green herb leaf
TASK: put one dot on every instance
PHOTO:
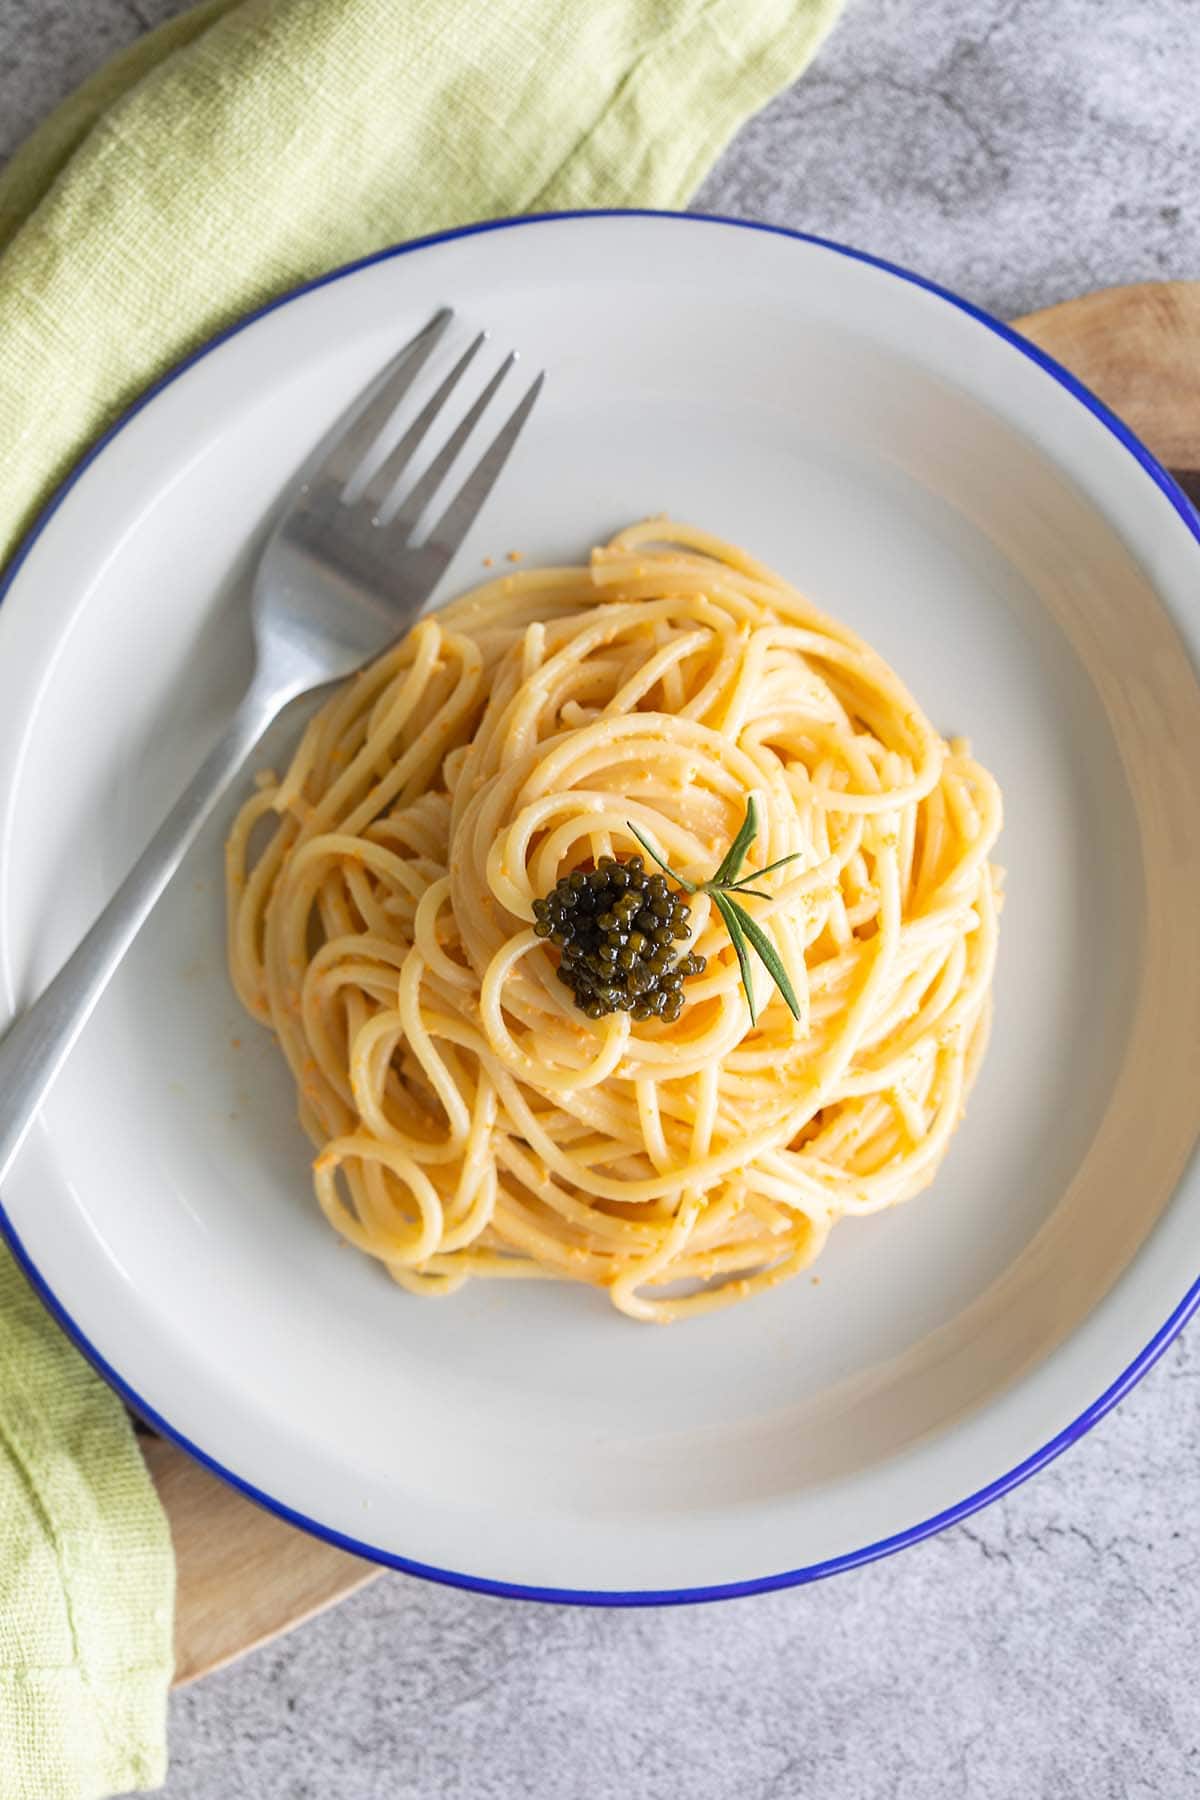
(754, 874)
(744, 932)
(737, 938)
(735, 856)
(766, 951)
(689, 887)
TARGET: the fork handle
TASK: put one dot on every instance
(37, 1044)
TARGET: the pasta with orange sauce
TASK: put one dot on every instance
(470, 1121)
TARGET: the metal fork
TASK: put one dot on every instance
(342, 576)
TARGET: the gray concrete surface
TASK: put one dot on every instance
(1020, 152)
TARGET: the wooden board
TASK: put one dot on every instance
(245, 1576)
(1138, 348)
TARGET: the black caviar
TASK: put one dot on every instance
(616, 928)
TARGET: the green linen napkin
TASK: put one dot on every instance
(236, 151)
(86, 1574)
(247, 147)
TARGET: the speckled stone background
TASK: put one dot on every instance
(1022, 151)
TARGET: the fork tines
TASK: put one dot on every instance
(381, 487)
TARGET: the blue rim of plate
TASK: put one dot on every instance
(482, 1584)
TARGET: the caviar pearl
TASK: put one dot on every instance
(615, 925)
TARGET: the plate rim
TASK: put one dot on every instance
(887, 1546)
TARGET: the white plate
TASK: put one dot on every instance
(1025, 566)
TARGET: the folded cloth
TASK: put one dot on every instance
(86, 1574)
(244, 147)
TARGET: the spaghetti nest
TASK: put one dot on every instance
(470, 1120)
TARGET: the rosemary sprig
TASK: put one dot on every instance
(745, 933)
